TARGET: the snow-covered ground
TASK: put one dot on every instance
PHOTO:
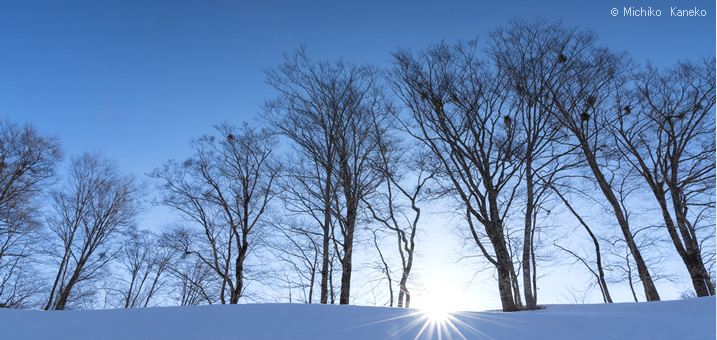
(687, 319)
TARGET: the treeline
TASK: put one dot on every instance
(540, 130)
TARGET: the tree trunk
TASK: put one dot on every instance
(65, 293)
(693, 259)
(63, 264)
(404, 293)
(348, 252)
(239, 272)
(692, 262)
(326, 239)
(504, 263)
(505, 287)
(530, 302)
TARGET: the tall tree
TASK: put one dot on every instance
(27, 165)
(665, 131)
(223, 190)
(95, 205)
(459, 110)
(578, 85)
(520, 54)
(327, 110)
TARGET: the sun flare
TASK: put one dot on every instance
(440, 295)
(440, 308)
(437, 309)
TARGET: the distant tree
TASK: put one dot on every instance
(222, 191)
(94, 206)
(327, 110)
(27, 165)
(665, 132)
(191, 281)
(298, 251)
(143, 269)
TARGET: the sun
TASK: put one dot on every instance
(440, 315)
(440, 298)
(442, 306)
(438, 307)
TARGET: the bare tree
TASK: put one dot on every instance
(27, 165)
(578, 85)
(358, 147)
(144, 265)
(193, 282)
(521, 54)
(599, 273)
(307, 112)
(395, 207)
(458, 106)
(299, 251)
(327, 111)
(223, 189)
(384, 268)
(92, 209)
(665, 131)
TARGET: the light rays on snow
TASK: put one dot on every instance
(439, 324)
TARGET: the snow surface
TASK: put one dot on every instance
(686, 319)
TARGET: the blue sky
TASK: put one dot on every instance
(138, 79)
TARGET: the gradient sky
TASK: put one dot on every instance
(138, 79)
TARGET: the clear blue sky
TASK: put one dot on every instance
(138, 79)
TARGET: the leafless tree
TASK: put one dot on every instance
(91, 210)
(359, 145)
(519, 52)
(27, 165)
(143, 269)
(578, 85)
(222, 190)
(383, 267)
(299, 252)
(395, 207)
(599, 272)
(457, 106)
(665, 131)
(326, 109)
(307, 112)
(302, 232)
(192, 281)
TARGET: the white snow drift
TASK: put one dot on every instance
(688, 319)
